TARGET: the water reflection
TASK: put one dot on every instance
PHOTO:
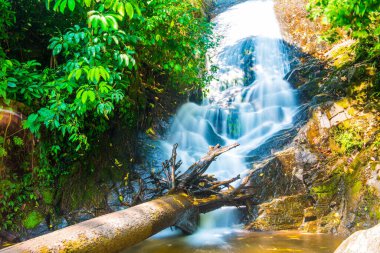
(244, 242)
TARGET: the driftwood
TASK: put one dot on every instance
(209, 192)
(186, 195)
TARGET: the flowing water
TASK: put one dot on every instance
(247, 103)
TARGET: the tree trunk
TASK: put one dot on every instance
(111, 232)
(117, 231)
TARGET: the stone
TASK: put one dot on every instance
(323, 120)
(335, 110)
(281, 173)
(281, 213)
(305, 157)
(61, 223)
(373, 180)
(40, 229)
(363, 241)
(113, 201)
(340, 117)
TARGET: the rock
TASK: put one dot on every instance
(279, 214)
(323, 120)
(279, 140)
(281, 173)
(305, 157)
(342, 116)
(373, 180)
(40, 229)
(363, 241)
(8, 236)
(113, 201)
(61, 223)
(80, 215)
(335, 110)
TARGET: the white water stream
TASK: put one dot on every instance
(234, 110)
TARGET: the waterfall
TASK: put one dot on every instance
(247, 103)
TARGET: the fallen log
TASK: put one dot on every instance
(189, 193)
(111, 232)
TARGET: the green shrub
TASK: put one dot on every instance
(348, 139)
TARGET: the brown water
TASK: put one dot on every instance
(244, 242)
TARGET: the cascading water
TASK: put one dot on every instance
(247, 103)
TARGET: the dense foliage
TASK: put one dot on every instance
(360, 19)
(110, 60)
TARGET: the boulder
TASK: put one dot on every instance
(363, 241)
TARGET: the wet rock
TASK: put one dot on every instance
(281, 173)
(281, 139)
(113, 201)
(310, 222)
(40, 229)
(80, 215)
(61, 223)
(9, 237)
(364, 241)
(279, 214)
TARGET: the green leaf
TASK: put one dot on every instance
(87, 3)
(57, 49)
(129, 10)
(84, 97)
(103, 23)
(47, 2)
(78, 74)
(137, 8)
(120, 9)
(108, 4)
(93, 21)
(62, 6)
(112, 22)
(71, 4)
(91, 95)
(12, 85)
(32, 117)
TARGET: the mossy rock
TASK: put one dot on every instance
(32, 220)
(280, 214)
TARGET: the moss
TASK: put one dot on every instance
(329, 222)
(356, 189)
(327, 189)
(32, 220)
(47, 196)
(347, 138)
(345, 103)
(351, 111)
(342, 54)
(279, 214)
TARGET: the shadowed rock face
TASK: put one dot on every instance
(364, 241)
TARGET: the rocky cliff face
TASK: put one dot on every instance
(325, 176)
